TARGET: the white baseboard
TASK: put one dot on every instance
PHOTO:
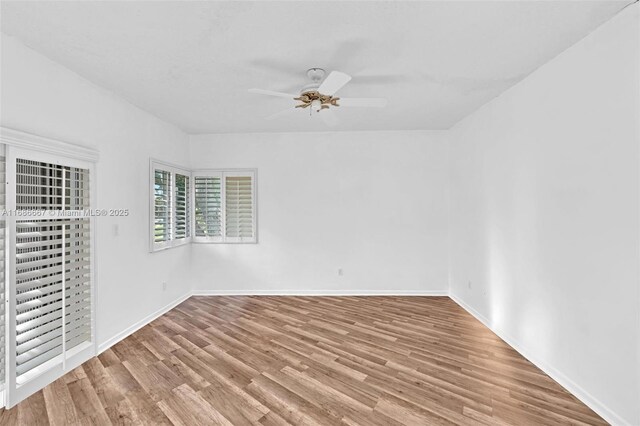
(138, 325)
(601, 409)
(317, 293)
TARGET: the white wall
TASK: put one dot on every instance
(373, 204)
(41, 97)
(545, 217)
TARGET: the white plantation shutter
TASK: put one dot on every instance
(239, 206)
(2, 264)
(170, 206)
(77, 282)
(208, 207)
(39, 268)
(77, 233)
(49, 254)
(182, 207)
(52, 267)
(51, 297)
(163, 207)
(225, 206)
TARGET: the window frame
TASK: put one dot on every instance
(173, 170)
(223, 173)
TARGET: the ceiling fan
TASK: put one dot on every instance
(319, 96)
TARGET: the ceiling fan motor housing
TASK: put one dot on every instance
(316, 75)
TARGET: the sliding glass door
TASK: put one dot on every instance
(50, 299)
(3, 255)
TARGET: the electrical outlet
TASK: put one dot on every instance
(469, 285)
(340, 272)
(116, 230)
(164, 286)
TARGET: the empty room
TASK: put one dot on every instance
(320, 212)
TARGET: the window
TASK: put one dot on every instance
(225, 207)
(170, 206)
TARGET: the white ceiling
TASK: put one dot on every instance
(191, 63)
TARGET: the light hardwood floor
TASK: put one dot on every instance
(307, 361)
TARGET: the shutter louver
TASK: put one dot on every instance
(52, 264)
(183, 222)
(239, 208)
(163, 210)
(208, 206)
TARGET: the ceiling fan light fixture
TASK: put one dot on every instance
(316, 104)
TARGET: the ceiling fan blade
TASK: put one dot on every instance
(362, 102)
(272, 93)
(329, 117)
(333, 83)
(282, 113)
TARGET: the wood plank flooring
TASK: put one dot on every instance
(307, 361)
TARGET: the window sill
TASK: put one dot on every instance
(156, 247)
(221, 240)
(224, 242)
